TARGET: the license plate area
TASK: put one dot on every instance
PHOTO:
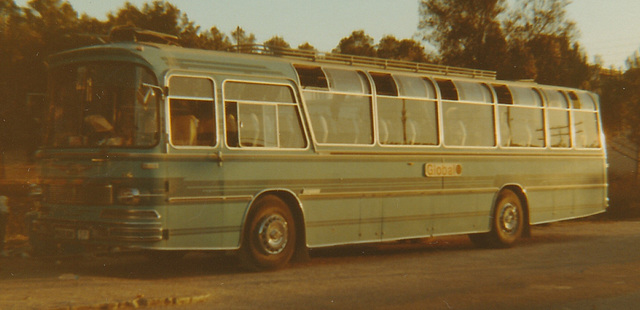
(83, 234)
(72, 234)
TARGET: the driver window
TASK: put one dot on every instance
(192, 113)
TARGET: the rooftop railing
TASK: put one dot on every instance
(363, 61)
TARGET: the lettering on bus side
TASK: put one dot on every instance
(432, 170)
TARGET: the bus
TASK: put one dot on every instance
(155, 147)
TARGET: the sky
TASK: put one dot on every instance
(608, 28)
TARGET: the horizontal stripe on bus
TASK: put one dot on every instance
(318, 194)
(205, 155)
(203, 230)
(210, 199)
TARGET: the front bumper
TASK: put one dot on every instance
(104, 233)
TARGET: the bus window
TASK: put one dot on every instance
(110, 104)
(476, 92)
(191, 110)
(575, 102)
(405, 120)
(556, 99)
(262, 115)
(521, 123)
(409, 86)
(448, 90)
(586, 102)
(342, 115)
(347, 81)
(311, 77)
(469, 123)
(503, 94)
(558, 119)
(526, 96)
(385, 85)
(586, 126)
(585, 122)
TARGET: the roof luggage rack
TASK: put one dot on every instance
(133, 34)
(371, 62)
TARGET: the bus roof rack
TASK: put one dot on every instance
(370, 62)
(134, 34)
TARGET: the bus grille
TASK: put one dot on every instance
(73, 194)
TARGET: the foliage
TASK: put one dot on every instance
(358, 43)
(277, 41)
(535, 40)
(466, 32)
(361, 44)
(406, 49)
(543, 46)
(306, 46)
(633, 61)
(242, 38)
(621, 105)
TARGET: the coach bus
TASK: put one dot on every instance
(156, 147)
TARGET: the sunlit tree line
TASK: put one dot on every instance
(532, 39)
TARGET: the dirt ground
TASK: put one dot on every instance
(585, 264)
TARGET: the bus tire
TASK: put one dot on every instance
(270, 235)
(507, 222)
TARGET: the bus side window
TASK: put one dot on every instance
(558, 119)
(469, 121)
(585, 120)
(192, 123)
(191, 111)
(262, 115)
(521, 122)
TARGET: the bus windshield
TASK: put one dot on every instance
(107, 104)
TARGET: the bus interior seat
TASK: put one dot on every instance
(384, 131)
(184, 130)
(323, 136)
(250, 130)
(412, 132)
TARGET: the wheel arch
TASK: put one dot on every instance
(524, 200)
(295, 207)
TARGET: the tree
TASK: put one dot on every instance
(158, 16)
(243, 41)
(467, 33)
(29, 35)
(532, 18)
(277, 41)
(216, 40)
(306, 47)
(633, 61)
(242, 38)
(406, 49)
(542, 44)
(358, 44)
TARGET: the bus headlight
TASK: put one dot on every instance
(129, 196)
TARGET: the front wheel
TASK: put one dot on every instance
(507, 223)
(269, 237)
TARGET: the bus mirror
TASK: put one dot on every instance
(147, 94)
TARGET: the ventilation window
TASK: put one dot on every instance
(447, 89)
(503, 93)
(575, 102)
(385, 85)
(312, 77)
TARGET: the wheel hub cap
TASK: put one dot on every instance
(273, 234)
(509, 218)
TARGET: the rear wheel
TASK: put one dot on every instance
(507, 222)
(269, 238)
